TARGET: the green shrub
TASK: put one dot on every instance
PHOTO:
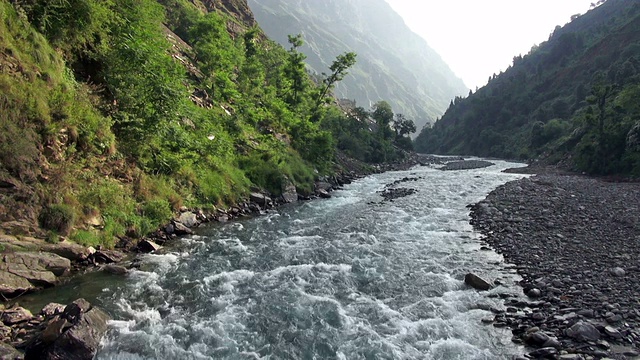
(86, 238)
(57, 217)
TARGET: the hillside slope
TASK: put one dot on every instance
(394, 64)
(115, 115)
(572, 100)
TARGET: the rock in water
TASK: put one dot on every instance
(74, 335)
(476, 282)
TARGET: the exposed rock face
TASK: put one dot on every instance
(74, 334)
(24, 271)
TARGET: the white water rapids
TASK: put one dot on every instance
(349, 277)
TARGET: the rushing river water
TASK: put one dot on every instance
(351, 277)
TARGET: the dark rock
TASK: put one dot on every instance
(80, 341)
(583, 331)
(323, 194)
(115, 269)
(107, 256)
(52, 309)
(148, 246)
(534, 293)
(260, 199)
(8, 352)
(16, 315)
(476, 282)
(617, 271)
(543, 353)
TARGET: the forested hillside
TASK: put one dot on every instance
(115, 114)
(394, 64)
(573, 100)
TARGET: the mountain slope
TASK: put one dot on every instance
(571, 100)
(393, 64)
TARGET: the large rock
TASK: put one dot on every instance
(260, 199)
(25, 271)
(476, 282)
(289, 192)
(68, 250)
(148, 246)
(583, 331)
(188, 218)
(8, 352)
(16, 315)
(74, 335)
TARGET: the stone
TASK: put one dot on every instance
(323, 194)
(323, 185)
(534, 293)
(12, 284)
(80, 341)
(16, 315)
(8, 352)
(115, 269)
(536, 339)
(68, 250)
(476, 282)
(289, 193)
(260, 199)
(107, 256)
(612, 332)
(617, 272)
(181, 229)
(148, 246)
(583, 331)
(543, 352)
(188, 219)
(36, 261)
(52, 309)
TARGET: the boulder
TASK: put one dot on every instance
(188, 219)
(115, 269)
(148, 246)
(617, 272)
(323, 185)
(37, 261)
(107, 256)
(74, 335)
(260, 199)
(16, 315)
(181, 229)
(476, 282)
(12, 284)
(289, 193)
(8, 352)
(323, 194)
(52, 309)
(583, 331)
(68, 250)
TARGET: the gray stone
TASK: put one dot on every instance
(35, 261)
(68, 250)
(612, 332)
(323, 194)
(583, 331)
(108, 256)
(534, 293)
(181, 229)
(476, 282)
(543, 352)
(260, 199)
(188, 219)
(617, 271)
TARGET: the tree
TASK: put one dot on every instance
(383, 115)
(403, 126)
(338, 72)
(295, 70)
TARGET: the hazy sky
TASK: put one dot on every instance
(480, 37)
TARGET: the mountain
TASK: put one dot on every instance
(571, 101)
(393, 64)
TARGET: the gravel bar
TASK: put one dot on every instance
(575, 241)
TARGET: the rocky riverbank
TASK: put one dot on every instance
(576, 243)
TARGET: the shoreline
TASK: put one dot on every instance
(574, 241)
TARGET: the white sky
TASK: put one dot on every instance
(478, 38)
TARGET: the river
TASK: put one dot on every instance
(351, 277)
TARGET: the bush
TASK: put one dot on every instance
(57, 217)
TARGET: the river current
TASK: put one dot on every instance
(351, 277)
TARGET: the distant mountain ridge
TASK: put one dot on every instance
(394, 64)
(571, 101)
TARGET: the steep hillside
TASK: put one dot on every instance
(114, 115)
(394, 64)
(572, 100)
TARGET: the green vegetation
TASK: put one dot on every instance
(570, 101)
(114, 114)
